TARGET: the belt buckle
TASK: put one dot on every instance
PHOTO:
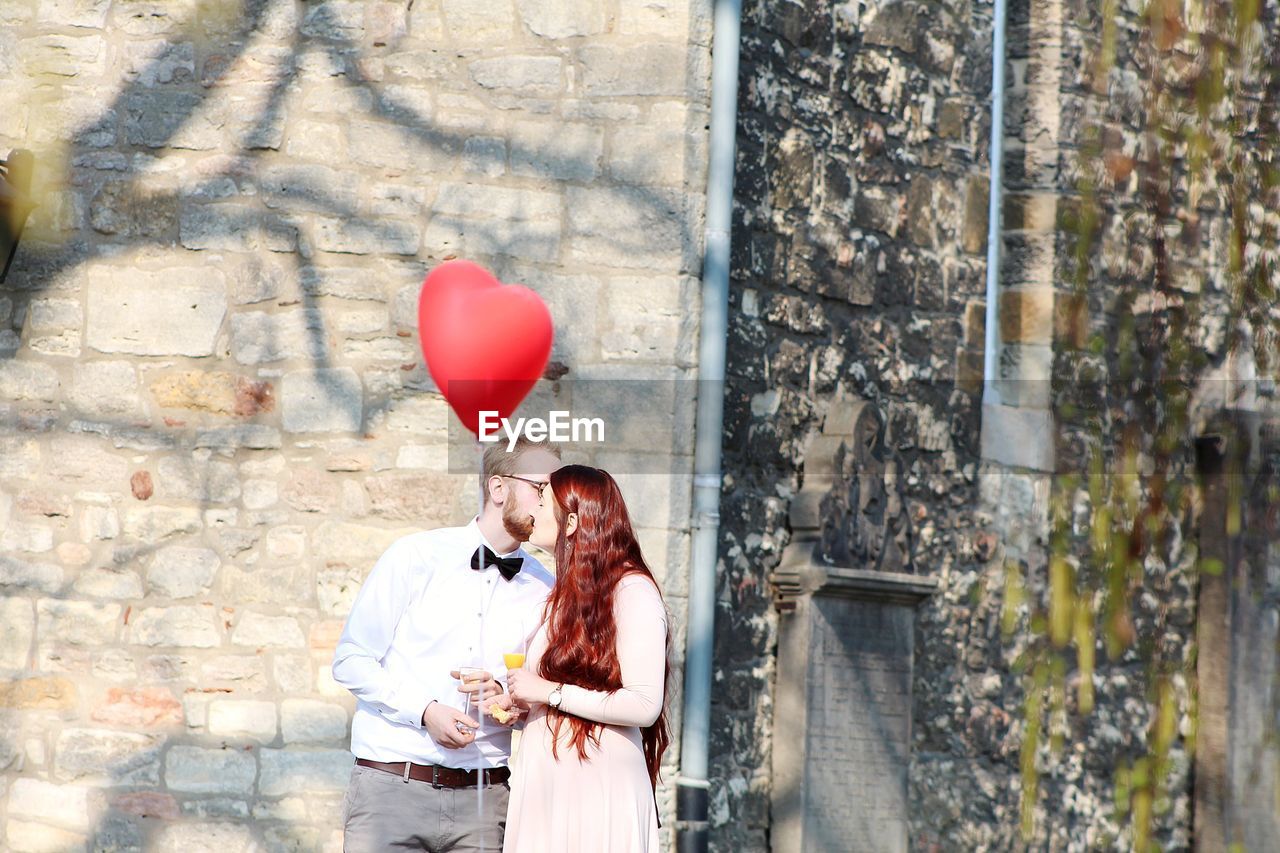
(435, 776)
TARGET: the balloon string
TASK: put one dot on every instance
(480, 646)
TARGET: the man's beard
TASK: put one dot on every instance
(519, 525)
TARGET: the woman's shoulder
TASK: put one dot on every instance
(634, 587)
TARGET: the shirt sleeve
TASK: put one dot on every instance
(642, 656)
(357, 661)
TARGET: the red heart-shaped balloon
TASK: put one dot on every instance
(485, 343)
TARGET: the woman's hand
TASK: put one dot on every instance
(502, 709)
(528, 689)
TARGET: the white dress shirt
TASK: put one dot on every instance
(422, 612)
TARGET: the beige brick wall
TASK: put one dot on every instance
(213, 409)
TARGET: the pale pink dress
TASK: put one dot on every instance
(604, 804)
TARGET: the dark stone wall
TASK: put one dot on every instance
(859, 259)
(859, 263)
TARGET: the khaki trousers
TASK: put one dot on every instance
(383, 812)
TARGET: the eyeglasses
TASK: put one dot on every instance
(537, 484)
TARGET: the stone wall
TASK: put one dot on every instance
(859, 244)
(213, 409)
(859, 241)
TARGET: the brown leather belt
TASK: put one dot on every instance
(440, 777)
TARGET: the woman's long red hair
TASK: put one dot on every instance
(581, 632)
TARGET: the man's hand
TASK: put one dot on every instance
(480, 689)
(503, 711)
(441, 722)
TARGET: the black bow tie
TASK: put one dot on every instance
(509, 566)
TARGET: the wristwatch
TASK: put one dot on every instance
(553, 698)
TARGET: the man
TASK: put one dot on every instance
(435, 602)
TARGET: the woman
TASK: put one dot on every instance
(594, 682)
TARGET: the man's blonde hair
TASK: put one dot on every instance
(499, 462)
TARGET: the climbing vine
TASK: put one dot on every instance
(1171, 258)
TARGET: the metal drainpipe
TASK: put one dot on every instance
(692, 786)
(991, 349)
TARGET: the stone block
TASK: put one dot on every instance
(149, 63)
(293, 771)
(426, 498)
(646, 319)
(54, 315)
(326, 400)
(485, 156)
(106, 389)
(480, 201)
(1018, 437)
(668, 19)
(88, 14)
(628, 228)
(1071, 320)
(386, 349)
(970, 370)
(343, 283)
(219, 227)
(33, 538)
(388, 147)
(192, 769)
(181, 572)
(307, 490)
(86, 462)
(556, 150)
(316, 140)
(647, 69)
(109, 582)
(260, 494)
(1026, 316)
(80, 623)
(565, 19)
(479, 22)
(1035, 212)
(23, 836)
(68, 806)
(175, 312)
(52, 693)
(364, 237)
(240, 718)
(647, 155)
(19, 456)
(541, 75)
(973, 236)
(194, 626)
(312, 721)
(257, 629)
(104, 757)
(153, 524)
(45, 577)
(141, 708)
(205, 838)
(157, 118)
(363, 320)
(63, 56)
(27, 380)
(218, 392)
(252, 436)
(336, 589)
(310, 187)
(258, 337)
(17, 626)
(339, 540)
(397, 200)
(194, 480)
